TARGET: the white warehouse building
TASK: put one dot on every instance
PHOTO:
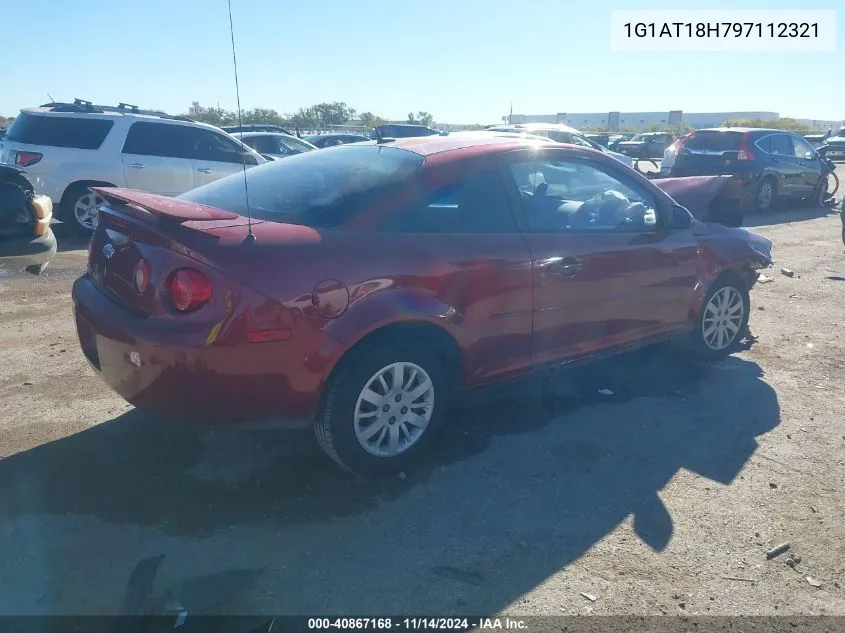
(638, 121)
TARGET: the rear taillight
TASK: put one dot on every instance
(141, 276)
(189, 289)
(745, 152)
(25, 159)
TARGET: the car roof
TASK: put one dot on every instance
(158, 117)
(331, 134)
(476, 143)
(743, 129)
(243, 135)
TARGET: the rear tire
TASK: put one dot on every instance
(80, 208)
(765, 194)
(722, 322)
(364, 423)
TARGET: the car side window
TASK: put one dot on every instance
(211, 146)
(801, 147)
(782, 145)
(765, 144)
(477, 203)
(158, 139)
(569, 195)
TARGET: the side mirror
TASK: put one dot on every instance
(679, 218)
(248, 159)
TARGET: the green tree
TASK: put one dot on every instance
(368, 119)
(336, 113)
(424, 118)
(411, 119)
(785, 123)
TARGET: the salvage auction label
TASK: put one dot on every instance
(723, 31)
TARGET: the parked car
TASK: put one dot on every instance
(256, 127)
(335, 138)
(404, 130)
(562, 134)
(379, 278)
(615, 139)
(645, 146)
(67, 148)
(3, 132)
(273, 145)
(27, 242)
(601, 139)
(836, 145)
(766, 164)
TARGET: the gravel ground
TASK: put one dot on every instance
(662, 498)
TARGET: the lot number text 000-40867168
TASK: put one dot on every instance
(723, 31)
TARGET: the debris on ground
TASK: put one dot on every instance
(793, 560)
(818, 584)
(605, 392)
(772, 485)
(589, 596)
(762, 279)
(777, 550)
(787, 271)
(738, 579)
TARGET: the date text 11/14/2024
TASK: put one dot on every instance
(416, 624)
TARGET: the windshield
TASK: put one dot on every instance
(641, 137)
(318, 188)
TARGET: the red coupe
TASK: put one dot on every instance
(359, 286)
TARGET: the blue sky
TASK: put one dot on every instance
(462, 60)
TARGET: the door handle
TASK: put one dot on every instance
(567, 267)
(205, 170)
(135, 165)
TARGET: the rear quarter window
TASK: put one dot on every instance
(317, 189)
(59, 131)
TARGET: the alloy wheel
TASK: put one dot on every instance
(86, 210)
(765, 195)
(394, 409)
(723, 317)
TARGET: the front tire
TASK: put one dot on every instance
(722, 322)
(383, 406)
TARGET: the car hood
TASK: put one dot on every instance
(835, 139)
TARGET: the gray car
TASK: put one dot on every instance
(274, 145)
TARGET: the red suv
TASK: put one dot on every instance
(359, 286)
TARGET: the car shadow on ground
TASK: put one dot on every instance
(526, 478)
(786, 213)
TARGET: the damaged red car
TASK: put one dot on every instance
(359, 287)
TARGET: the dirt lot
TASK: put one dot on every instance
(661, 498)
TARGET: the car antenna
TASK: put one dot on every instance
(250, 236)
(51, 98)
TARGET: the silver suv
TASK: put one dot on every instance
(66, 148)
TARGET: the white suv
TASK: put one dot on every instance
(68, 147)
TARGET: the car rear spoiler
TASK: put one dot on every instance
(162, 208)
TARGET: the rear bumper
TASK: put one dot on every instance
(20, 253)
(178, 377)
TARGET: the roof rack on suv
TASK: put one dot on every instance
(82, 105)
